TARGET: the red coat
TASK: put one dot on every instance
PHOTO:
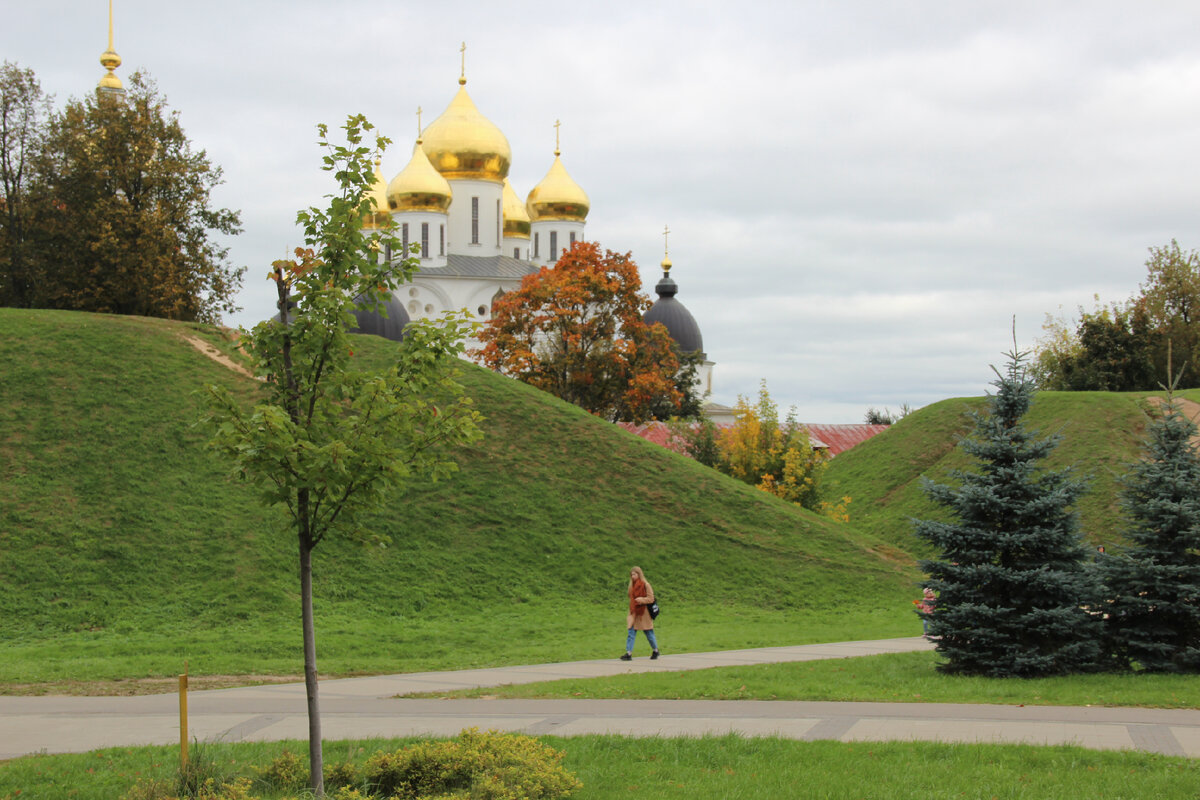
(641, 621)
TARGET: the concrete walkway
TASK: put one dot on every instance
(368, 707)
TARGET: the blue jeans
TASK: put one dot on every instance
(633, 635)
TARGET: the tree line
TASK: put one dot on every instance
(1125, 346)
(107, 207)
(1018, 593)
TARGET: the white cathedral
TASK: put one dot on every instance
(476, 238)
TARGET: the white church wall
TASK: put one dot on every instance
(465, 237)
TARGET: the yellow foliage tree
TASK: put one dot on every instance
(777, 458)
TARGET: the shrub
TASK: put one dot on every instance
(341, 774)
(286, 771)
(478, 766)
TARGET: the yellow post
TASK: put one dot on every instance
(183, 728)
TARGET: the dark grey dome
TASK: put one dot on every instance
(376, 324)
(675, 317)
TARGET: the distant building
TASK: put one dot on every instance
(476, 239)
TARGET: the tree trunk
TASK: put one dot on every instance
(315, 761)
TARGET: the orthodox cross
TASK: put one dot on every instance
(556, 126)
(462, 76)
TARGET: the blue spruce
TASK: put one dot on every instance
(1154, 587)
(1012, 584)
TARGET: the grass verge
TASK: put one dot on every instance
(894, 677)
(730, 767)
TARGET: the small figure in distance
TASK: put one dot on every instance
(925, 605)
(641, 595)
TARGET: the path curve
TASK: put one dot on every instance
(368, 707)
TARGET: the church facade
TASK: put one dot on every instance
(455, 209)
(475, 239)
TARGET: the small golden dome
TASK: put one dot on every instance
(666, 266)
(557, 196)
(378, 191)
(516, 218)
(419, 187)
(464, 144)
(109, 59)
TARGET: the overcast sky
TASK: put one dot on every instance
(861, 195)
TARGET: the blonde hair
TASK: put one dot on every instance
(638, 570)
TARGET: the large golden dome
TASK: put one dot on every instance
(516, 218)
(464, 144)
(379, 217)
(557, 196)
(419, 187)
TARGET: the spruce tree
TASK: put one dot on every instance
(1010, 576)
(1154, 587)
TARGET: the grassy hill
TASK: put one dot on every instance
(1101, 434)
(125, 549)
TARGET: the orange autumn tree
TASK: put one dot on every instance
(576, 331)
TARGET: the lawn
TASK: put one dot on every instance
(726, 767)
(893, 677)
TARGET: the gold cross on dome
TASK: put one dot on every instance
(666, 247)
(462, 76)
(557, 125)
(418, 122)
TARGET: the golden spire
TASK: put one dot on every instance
(462, 76)
(557, 125)
(666, 262)
(109, 59)
(418, 124)
(379, 216)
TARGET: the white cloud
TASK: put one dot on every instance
(861, 195)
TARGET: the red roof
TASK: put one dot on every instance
(834, 438)
(840, 438)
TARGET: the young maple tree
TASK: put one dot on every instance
(329, 440)
(576, 331)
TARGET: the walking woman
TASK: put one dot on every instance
(641, 595)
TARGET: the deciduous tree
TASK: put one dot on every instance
(127, 225)
(330, 441)
(23, 113)
(760, 450)
(576, 331)
(1123, 346)
(1010, 574)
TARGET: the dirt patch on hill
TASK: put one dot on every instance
(216, 355)
(1190, 409)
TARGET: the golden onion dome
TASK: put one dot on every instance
(516, 218)
(109, 59)
(378, 192)
(464, 144)
(419, 187)
(557, 196)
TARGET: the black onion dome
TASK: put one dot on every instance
(675, 317)
(374, 323)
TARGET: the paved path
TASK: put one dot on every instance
(367, 707)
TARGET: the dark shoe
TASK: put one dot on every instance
(627, 657)
(654, 655)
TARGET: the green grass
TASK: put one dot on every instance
(727, 767)
(1101, 434)
(127, 549)
(890, 678)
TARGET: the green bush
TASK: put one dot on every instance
(207, 789)
(474, 766)
(341, 774)
(286, 771)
